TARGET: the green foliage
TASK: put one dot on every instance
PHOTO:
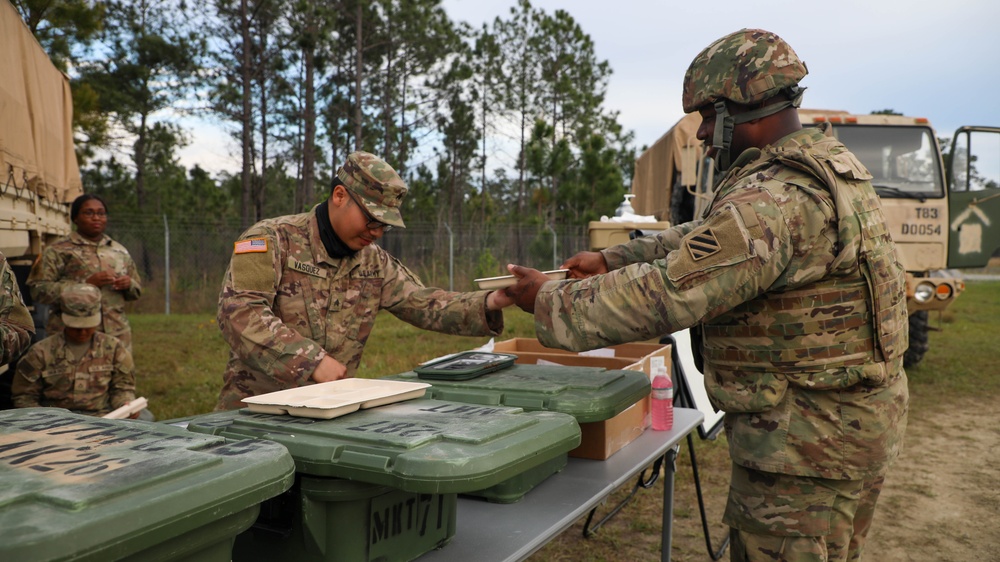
(487, 265)
(540, 251)
(62, 26)
(301, 84)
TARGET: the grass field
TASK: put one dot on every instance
(180, 360)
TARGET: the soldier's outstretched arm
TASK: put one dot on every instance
(646, 249)
(734, 256)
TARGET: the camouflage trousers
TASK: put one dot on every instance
(784, 518)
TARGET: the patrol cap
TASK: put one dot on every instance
(376, 184)
(81, 306)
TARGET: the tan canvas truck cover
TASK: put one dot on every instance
(38, 168)
(676, 151)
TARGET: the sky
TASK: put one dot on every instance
(938, 59)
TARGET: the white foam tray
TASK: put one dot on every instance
(336, 398)
(504, 281)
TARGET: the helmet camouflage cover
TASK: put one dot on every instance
(745, 67)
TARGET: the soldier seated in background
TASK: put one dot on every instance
(79, 369)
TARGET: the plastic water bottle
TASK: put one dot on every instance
(662, 402)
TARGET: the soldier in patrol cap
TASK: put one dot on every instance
(301, 294)
(793, 280)
(80, 369)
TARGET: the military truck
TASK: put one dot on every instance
(940, 218)
(39, 175)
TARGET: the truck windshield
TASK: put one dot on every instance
(904, 160)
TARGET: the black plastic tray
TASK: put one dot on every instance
(465, 365)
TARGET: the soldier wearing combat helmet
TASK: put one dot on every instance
(301, 293)
(792, 278)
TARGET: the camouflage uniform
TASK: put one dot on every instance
(288, 304)
(72, 260)
(794, 279)
(102, 380)
(16, 325)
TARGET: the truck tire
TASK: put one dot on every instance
(918, 339)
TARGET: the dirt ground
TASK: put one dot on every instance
(941, 501)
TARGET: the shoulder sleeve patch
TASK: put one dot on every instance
(249, 246)
(253, 269)
(723, 240)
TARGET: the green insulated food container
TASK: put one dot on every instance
(82, 488)
(381, 484)
(589, 394)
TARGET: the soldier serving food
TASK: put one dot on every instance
(302, 291)
(792, 279)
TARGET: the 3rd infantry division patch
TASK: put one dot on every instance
(703, 245)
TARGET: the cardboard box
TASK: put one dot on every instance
(599, 440)
(529, 351)
(607, 234)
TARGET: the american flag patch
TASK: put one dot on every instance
(250, 246)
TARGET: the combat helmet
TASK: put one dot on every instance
(747, 67)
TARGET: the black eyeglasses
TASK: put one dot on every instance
(373, 223)
(92, 213)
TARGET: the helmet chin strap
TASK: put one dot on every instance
(722, 137)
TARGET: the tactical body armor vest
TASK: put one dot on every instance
(855, 315)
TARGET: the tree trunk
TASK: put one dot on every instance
(387, 93)
(246, 174)
(309, 140)
(357, 80)
(140, 164)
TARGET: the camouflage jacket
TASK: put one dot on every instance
(772, 233)
(101, 381)
(72, 260)
(16, 325)
(286, 306)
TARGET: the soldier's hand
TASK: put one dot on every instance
(529, 281)
(101, 278)
(585, 264)
(498, 300)
(122, 283)
(329, 369)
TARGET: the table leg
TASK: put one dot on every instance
(666, 524)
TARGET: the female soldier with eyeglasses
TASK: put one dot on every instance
(88, 255)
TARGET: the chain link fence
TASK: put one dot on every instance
(182, 261)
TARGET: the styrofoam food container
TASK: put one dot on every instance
(503, 281)
(336, 398)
